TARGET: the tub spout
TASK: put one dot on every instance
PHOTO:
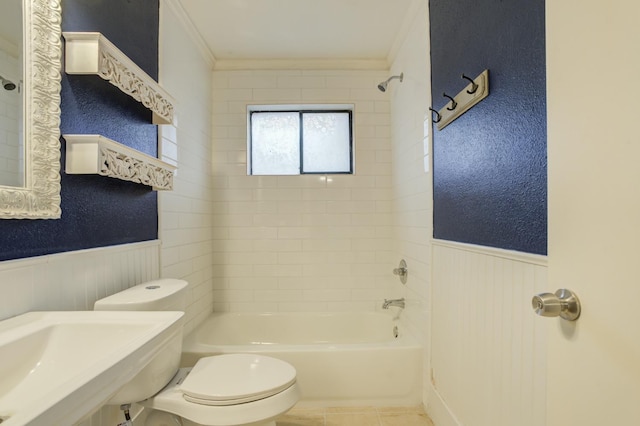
(393, 302)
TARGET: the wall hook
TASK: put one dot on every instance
(438, 116)
(474, 86)
(454, 104)
(464, 100)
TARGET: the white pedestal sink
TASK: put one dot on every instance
(58, 367)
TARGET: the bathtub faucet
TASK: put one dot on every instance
(393, 302)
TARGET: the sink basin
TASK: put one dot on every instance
(58, 367)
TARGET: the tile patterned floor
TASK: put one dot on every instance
(355, 416)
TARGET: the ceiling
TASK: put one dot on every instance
(236, 30)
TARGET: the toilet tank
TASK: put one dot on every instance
(166, 294)
(159, 295)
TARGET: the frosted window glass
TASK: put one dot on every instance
(326, 142)
(275, 143)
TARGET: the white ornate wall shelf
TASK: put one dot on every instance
(92, 53)
(95, 154)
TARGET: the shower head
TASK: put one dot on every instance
(383, 86)
(6, 84)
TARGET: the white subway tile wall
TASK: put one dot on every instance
(185, 214)
(301, 243)
(412, 193)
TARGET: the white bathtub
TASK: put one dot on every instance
(341, 358)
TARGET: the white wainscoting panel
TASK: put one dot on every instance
(488, 354)
(74, 280)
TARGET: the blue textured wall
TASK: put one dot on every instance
(490, 165)
(99, 211)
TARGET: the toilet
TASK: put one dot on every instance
(220, 390)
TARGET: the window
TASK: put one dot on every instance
(288, 141)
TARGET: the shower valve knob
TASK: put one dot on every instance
(401, 271)
(563, 303)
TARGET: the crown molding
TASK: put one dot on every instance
(300, 64)
(177, 9)
(414, 11)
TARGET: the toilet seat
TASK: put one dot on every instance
(236, 379)
(173, 400)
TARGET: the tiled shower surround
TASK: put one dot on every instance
(310, 242)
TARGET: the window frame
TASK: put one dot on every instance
(300, 110)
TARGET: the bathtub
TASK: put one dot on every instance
(362, 358)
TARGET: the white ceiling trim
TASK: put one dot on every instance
(176, 7)
(413, 13)
(301, 64)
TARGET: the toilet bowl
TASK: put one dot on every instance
(221, 390)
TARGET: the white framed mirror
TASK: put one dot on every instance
(30, 146)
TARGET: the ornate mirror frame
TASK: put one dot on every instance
(40, 197)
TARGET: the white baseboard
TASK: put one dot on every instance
(438, 410)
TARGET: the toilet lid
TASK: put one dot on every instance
(236, 378)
